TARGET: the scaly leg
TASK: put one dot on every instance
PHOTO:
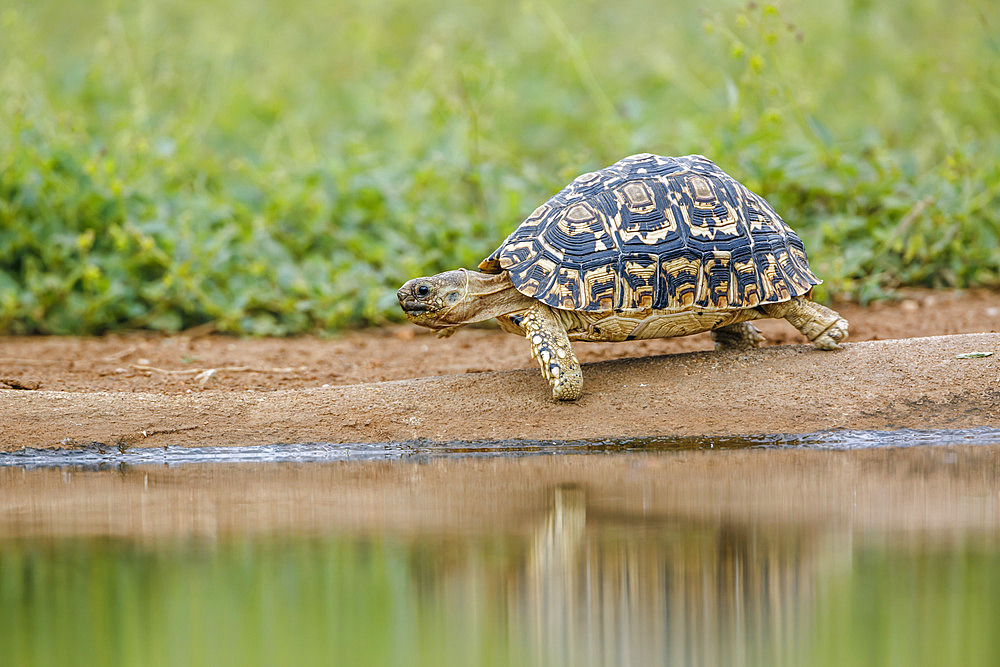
(551, 346)
(823, 326)
(738, 336)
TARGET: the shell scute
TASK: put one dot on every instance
(655, 232)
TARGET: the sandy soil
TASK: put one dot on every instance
(199, 388)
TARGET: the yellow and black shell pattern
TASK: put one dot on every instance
(652, 232)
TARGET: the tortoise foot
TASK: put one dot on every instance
(830, 339)
(739, 336)
(821, 325)
(567, 386)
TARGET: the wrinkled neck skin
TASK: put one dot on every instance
(486, 296)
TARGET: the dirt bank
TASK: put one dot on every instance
(915, 382)
(172, 364)
(381, 385)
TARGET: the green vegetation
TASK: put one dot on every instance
(281, 167)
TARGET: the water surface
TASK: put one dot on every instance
(99, 454)
(768, 555)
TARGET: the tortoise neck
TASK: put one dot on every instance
(489, 295)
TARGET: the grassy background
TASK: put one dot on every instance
(281, 167)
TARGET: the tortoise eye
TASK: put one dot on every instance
(423, 290)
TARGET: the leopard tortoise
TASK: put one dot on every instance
(650, 247)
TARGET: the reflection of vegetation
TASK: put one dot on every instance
(583, 590)
(280, 167)
(917, 607)
(241, 603)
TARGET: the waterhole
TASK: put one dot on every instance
(832, 548)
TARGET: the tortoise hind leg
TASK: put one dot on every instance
(823, 326)
(550, 345)
(738, 336)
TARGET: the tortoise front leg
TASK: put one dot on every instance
(550, 345)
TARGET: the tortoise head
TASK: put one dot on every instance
(454, 298)
(437, 302)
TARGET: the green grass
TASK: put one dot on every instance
(282, 167)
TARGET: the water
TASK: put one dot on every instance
(98, 455)
(828, 549)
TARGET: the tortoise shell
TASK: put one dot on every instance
(655, 232)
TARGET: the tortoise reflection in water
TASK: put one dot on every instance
(650, 247)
